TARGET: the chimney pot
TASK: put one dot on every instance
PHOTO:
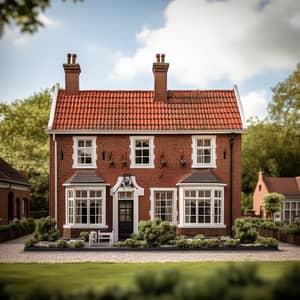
(74, 59)
(72, 71)
(158, 57)
(160, 71)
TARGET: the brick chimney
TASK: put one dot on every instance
(160, 70)
(72, 71)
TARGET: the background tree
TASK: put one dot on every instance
(272, 203)
(273, 145)
(23, 13)
(24, 142)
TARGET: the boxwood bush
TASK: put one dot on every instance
(45, 230)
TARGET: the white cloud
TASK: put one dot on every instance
(14, 37)
(48, 22)
(255, 104)
(206, 41)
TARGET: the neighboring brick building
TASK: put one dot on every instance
(14, 194)
(287, 186)
(118, 157)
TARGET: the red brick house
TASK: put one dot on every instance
(14, 194)
(118, 157)
(287, 186)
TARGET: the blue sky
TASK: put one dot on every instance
(209, 44)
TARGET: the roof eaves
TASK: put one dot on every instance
(53, 106)
(239, 102)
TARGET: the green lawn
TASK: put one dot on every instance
(80, 276)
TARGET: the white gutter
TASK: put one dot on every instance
(55, 177)
(239, 102)
(53, 106)
(147, 132)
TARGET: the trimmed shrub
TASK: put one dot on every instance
(246, 229)
(231, 242)
(84, 235)
(199, 237)
(4, 228)
(212, 243)
(76, 244)
(267, 241)
(183, 243)
(62, 244)
(30, 243)
(45, 230)
(156, 233)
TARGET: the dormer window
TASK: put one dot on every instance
(204, 151)
(142, 151)
(84, 152)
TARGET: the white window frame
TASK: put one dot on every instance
(198, 187)
(133, 140)
(290, 209)
(84, 225)
(212, 164)
(174, 202)
(76, 165)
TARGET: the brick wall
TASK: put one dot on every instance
(172, 147)
(17, 194)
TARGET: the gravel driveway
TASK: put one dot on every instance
(12, 251)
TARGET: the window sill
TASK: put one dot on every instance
(141, 166)
(84, 166)
(201, 226)
(194, 166)
(88, 226)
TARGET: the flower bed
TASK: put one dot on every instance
(16, 229)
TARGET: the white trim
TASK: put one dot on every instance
(212, 187)
(55, 178)
(85, 184)
(137, 191)
(239, 102)
(103, 197)
(202, 226)
(4, 185)
(193, 184)
(76, 165)
(133, 165)
(158, 189)
(85, 226)
(146, 132)
(213, 151)
(53, 106)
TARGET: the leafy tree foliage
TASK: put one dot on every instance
(24, 142)
(24, 13)
(272, 202)
(273, 145)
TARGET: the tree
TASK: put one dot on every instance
(24, 13)
(24, 142)
(273, 145)
(272, 203)
(285, 107)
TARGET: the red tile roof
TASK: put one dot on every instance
(136, 110)
(283, 185)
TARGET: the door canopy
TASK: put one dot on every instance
(126, 183)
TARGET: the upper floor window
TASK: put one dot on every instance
(142, 151)
(84, 152)
(204, 151)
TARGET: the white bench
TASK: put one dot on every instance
(98, 238)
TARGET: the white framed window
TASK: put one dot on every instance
(201, 206)
(163, 204)
(142, 151)
(290, 211)
(84, 152)
(86, 206)
(204, 151)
